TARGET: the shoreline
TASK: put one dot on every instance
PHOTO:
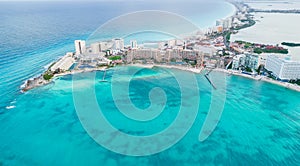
(286, 85)
(182, 68)
(26, 86)
(39, 81)
(150, 66)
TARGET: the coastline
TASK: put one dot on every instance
(261, 78)
(187, 69)
(26, 86)
(39, 81)
(150, 66)
(231, 72)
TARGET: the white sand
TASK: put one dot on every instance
(190, 69)
(262, 78)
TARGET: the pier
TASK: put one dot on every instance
(209, 80)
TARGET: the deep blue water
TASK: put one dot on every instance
(259, 125)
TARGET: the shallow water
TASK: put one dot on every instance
(41, 127)
(258, 124)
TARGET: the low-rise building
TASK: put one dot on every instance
(64, 63)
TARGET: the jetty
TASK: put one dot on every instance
(209, 80)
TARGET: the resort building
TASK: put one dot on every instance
(245, 60)
(64, 63)
(142, 54)
(80, 47)
(171, 43)
(163, 56)
(283, 69)
(224, 23)
(96, 48)
(262, 60)
(118, 44)
(251, 61)
(238, 61)
(133, 44)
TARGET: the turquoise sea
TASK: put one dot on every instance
(260, 123)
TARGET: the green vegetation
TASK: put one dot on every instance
(258, 51)
(51, 65)
(113, 58)
(227, 36)
(291, 44)
(295, 82)
(271, 50)
(244, 42)
(248, 69)
(47, 76)
(251, 23)
(247, 45)
(173, 60)
(263, 48)
(260, 68)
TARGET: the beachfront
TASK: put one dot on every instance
(261, 78)
(193, 54)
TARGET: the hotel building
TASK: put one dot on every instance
(118, 44)
(245, 60)
(133, 44)
(80, 47)
(283, 69)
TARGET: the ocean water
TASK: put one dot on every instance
(40, 127)
(258, 125)
(34, 34)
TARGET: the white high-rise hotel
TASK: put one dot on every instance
(80, 47)
(133, 44)
(283, 69)
(118, 44)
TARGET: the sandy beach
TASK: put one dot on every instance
(262, 78)
(150, 66)
(188, 69)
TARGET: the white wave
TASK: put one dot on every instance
(13, 102)
(46, 67)
(23, 85)
(10, 107)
